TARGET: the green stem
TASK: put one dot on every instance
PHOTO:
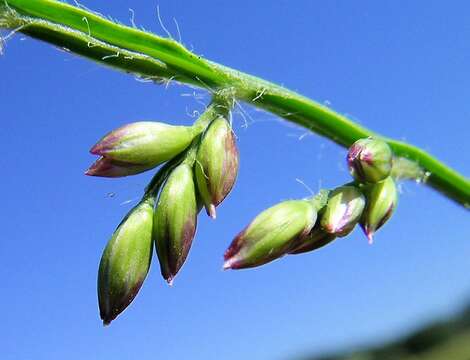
(161, 59)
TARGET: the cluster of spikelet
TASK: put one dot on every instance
(299, 226)
(200, 170)
(201, 166)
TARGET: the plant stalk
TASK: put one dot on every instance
(162, 60)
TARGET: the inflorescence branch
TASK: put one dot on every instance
(163, 60)
(198, 164)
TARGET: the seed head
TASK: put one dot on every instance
(216, 164)
(343, 210)
(138, 147)
(271, 234)
(370, 160)
(125, 261)
(381, 202)
(175, 221)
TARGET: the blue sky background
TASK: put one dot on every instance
(400, 68)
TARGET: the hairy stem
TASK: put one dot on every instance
(161, 59)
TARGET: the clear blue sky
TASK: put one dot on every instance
(401, 68)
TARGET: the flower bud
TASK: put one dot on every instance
(343, 210)
(370, 160)
(175, 221)
(216, 164)
(125, 261)
(315, 240)
(142, 145)
(271, 234)
(381, 202)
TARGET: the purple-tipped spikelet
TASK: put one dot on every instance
(271, 234)
(125, 261)
(137, 147)
(343, 210)
(370, 160)
(175, 221)
(381, 202)
(216, 165)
